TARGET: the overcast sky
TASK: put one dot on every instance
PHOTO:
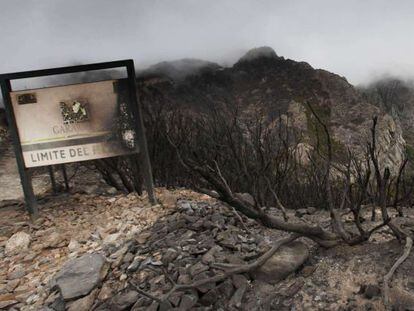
(359, 39)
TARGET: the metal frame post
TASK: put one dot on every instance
(52, 179)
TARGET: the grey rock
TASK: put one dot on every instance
(210, 297)
(84, 303)
(188, 301)
(18, 242)
(184, 279)
(53, 240)
(91, 189)
(123, 300)
(78, 277)
(128, 258)
(169, 256)
(185, 206)
(17, 273)
(287, 260)
(206, 287)
(175, 298)
(153, 307)
(190, 219)
(11, 285)
(234, 259)
(209, 256)
(58, 304)
(198, 268)
(165, 306)
(135, 264)
(118, 256)
(112, 191)
(226, 289)
(228, 238)
(111, 239)
(73, 245)
(105, 292)
(311, 210)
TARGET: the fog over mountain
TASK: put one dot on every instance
(356, 39)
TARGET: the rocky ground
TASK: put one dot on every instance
(101, 251)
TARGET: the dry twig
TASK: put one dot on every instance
(388, 276)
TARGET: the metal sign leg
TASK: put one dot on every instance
(52, 179)
(140, 130)
(30, 198)
(65, 177)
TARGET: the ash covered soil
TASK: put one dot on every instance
(101, 251)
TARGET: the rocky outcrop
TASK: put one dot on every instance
(257, 53)
(389, 134)
(396, 97)
(391, 144)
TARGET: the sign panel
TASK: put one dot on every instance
(73, 122)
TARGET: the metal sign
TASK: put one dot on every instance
(77, 122)
(71, 123)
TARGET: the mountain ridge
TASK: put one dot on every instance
(263, 80)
